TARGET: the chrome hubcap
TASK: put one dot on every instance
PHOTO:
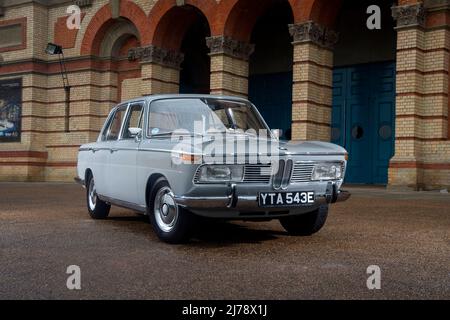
(165, 209)
(92, 195)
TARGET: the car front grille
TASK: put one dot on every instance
(257, 173)
(302, 172)
(253, 173)
(288, 172)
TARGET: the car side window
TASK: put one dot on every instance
(134, 120)
(113, 131)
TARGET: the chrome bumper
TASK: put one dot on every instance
(236, 202)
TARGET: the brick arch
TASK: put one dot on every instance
(167, 21)
(236, 18)
(99, 24)
(322, 11)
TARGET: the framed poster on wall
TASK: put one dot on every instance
(10, 110)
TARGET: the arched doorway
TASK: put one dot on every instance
(184, 29)
(120, 36)
(363, 115)
(195, 69)
(270, 66)
(110, 39)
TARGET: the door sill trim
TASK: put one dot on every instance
(123, 204)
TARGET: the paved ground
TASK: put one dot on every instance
(45, 227)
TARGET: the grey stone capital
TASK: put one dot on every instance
(409, 16)
(313, 32)
(153, 54)
(228, 46)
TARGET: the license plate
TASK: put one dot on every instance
(286, 199)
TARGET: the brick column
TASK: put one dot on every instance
(422, 158)
(229, 65)
(312, 81)
(160, 69)
(414, 103)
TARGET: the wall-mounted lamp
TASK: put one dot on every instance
(55, 49)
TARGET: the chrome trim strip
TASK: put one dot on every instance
(277, 179)
(124, 149)
(198, 154)
(167, 151)
(94, 149)
(314, 154)
(319, 161)
(123, 204)
(287, 175)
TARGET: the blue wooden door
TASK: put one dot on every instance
(272, 95)
(363, 119)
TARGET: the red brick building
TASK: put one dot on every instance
(313, 67)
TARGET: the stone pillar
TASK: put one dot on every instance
(160, 69)
(422, 148)
(312, 81)
(229, 65)
(415, 101)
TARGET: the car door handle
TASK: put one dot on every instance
(94, 150)
(113, 150)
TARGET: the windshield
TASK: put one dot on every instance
(201, 116)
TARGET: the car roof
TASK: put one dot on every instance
(150, 98)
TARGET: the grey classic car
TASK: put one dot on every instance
(178, 158)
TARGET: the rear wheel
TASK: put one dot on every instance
(97, 208)
(171, 223)
(306, 224)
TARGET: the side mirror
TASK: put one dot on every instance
(276, 133)
(135, 133)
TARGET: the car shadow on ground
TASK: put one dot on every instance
(207, 232)
(223, 233)
(136, 218)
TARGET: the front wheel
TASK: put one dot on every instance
(97, 208)
(171, 223)
(306, 224)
